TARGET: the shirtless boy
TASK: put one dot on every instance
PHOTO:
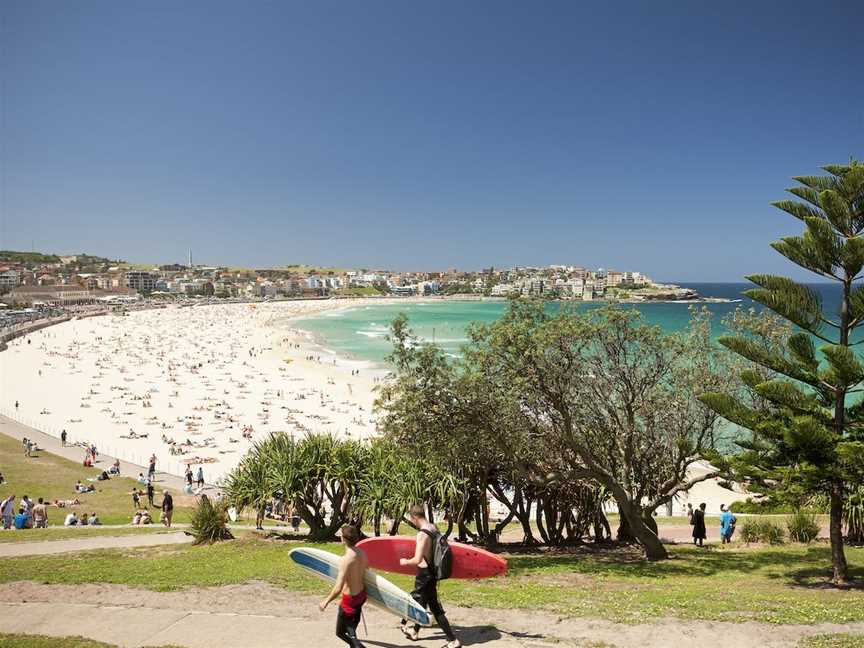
(349, 583)
(425, 584)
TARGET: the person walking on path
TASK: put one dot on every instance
(150, 491)
(63, 438)
(425, 583)
(699, 532)
(167, 508)
(727, 525)
(200, 477)
(189, 475)
(349, 583)
(151, 470)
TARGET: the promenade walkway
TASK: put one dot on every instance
(262, 616)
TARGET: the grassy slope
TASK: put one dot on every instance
(53, 477)
(833, 641)
(775, 585)
(41, 641)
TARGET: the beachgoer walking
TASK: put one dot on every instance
(151, 470)
(699, 532)
(188, 474)
(690, 514)
(167, 508)
(63, 438)
(200, 477)
(425, 583)
(727, 525)
(349, 583)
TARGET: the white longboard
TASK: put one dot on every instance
(382, 593)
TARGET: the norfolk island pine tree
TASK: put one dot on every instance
(810, 432)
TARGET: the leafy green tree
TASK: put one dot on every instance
(608, 400)
(808, 432)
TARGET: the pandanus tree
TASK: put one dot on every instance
(810, 434)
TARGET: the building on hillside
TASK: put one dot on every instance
(141, 280)
(504, 289)
(9, 278)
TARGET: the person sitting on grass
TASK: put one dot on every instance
(103, 477)
(22, 520)
(84, 520)
(71, 519)
(136, 519)
(115, 467)
(81, 488)
(94, 520)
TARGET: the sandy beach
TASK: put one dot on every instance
(189, 384)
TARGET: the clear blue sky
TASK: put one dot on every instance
(634, 135)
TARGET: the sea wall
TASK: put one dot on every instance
(7, 337)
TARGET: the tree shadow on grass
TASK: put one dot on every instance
(808, 567)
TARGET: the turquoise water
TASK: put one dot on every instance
(361, 333)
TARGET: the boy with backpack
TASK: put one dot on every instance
(433, 561)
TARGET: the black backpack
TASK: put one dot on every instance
(442, 555)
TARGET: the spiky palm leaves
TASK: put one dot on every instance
(810, 436)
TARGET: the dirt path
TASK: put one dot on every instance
(13, 549)
(258, 615)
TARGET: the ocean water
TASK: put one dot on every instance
(361, 333)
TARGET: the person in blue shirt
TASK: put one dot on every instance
(22, 520)
(727, 524)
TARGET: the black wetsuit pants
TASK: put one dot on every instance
(426, 594)
(346, 627)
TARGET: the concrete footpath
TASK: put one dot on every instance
(46, 547)
(136, 627)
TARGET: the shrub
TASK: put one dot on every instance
(803, 527)
(761, 530)
(209, 523)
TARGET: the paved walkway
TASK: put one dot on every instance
(300, 625)
(46, 547)
(134, 627)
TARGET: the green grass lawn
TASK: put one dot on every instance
(52, 477)
(782, 584)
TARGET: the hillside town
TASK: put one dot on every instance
(33, 280)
